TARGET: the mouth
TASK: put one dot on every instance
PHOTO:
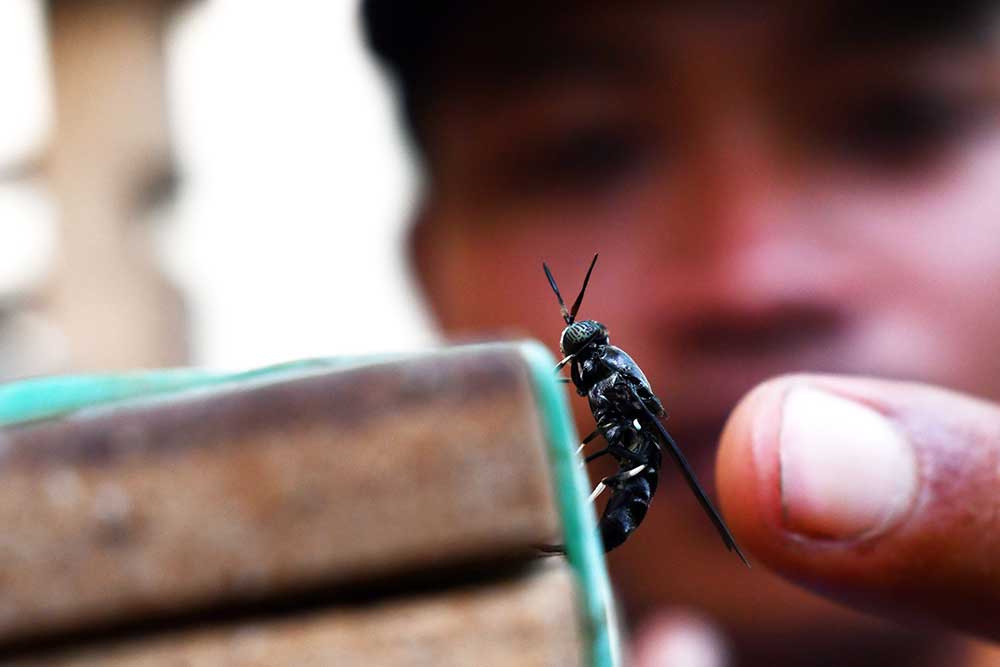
(705, 387)
(713, 357)
(767, 334)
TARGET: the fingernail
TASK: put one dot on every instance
(846, 471)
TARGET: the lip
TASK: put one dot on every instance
(720, 380)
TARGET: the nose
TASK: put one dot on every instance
(740, 211)
(747, 262)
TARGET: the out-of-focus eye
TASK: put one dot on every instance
(902, 129)
(585, 159)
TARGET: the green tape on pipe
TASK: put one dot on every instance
(48, 397)
(583, 547)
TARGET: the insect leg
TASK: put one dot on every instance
(564, 362)
(628, 474)
(615, 479)
(593, 434)
(598, 454)
(598, 490)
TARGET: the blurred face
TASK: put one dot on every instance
(766, 196)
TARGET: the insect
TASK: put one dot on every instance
(627, 414)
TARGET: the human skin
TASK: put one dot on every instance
(908, 526)
(763, 204)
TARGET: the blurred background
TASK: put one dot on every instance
(173, 191)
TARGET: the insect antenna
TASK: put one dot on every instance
(562, 306)
(570, 315)
(579, 298)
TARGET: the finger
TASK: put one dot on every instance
(883, 495)
(679, 640)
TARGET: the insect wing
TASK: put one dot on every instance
(692, 482)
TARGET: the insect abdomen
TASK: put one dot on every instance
(626, 509)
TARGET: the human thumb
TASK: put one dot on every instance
(883, 495)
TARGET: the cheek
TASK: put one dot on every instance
(929, 253)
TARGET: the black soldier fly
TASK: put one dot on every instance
(627, 414)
